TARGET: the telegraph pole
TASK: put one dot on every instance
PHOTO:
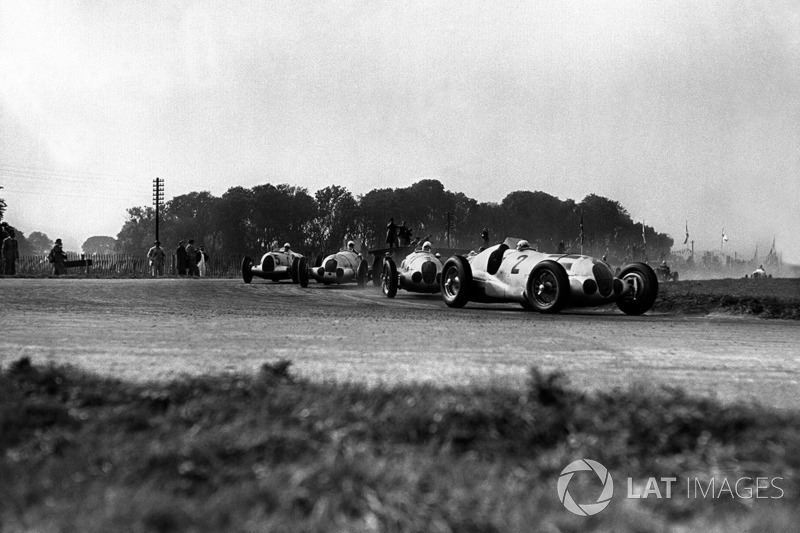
(158, 198)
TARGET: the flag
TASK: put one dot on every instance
(687, 233)
(772, 250)
(644, 238)
(755, 255)
(724, 237)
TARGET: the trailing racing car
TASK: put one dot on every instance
(514, 272)
(665, 273)
(419, 271)
(277, 265)
(344, 266)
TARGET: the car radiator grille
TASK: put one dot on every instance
(429, 272)
(604, 279)
(330, 265)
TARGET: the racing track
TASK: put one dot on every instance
(160, 329)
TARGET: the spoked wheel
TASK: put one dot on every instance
(361, 275)
(456, 281)
(302, 272)
(389, 278)
(247, 272)
(548, 287)
(642, 285)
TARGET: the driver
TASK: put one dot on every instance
(351, 246)
(427, 246)
(287, 247)
(523, 245)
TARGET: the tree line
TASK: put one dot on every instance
(250, 221)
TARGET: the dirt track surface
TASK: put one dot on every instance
(160, 329)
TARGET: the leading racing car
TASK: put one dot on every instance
(514, 272)
(277, 265)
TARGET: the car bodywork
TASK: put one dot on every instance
(546, 282)
(342, 267)
(277, 265)
(419, 271)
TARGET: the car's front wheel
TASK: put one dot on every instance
(302, 272)
(247, 269)
(548, 287)
(642, 287)
(456, 281)
(389, 278)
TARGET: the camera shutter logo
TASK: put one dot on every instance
(586, 509)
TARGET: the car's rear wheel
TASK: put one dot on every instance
(247, 272)
(548, 287)
(389, 278)
(294, 269)
(361, 274)
(302, 272)
(643, 289)
(377, 269)
(456, 281)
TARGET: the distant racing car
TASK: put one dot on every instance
(344, 266)
(513, 272)
(419, 271)
(277, 265)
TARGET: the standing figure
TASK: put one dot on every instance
(391, 233)
(10, 254)
(202, 262)
(181, 259)
(57, 257)
(404, 234)
(157, 258)
(191, 259)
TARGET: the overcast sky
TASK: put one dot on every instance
(680, 110)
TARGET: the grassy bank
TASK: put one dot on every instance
(271, 453)
(766, 298)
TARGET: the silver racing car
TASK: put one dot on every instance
(514, 272)
(277, 265)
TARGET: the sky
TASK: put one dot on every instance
(685, 112)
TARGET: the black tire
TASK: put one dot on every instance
(456, 281)
(377, 266)
(388, 278)
(547, 289)
(526, 305)
(361, 274)
(293, 270)
(644, 284)
(247, 272)
(302, 272)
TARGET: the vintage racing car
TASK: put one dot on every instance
(512, 272)
(342, 267)
(665, 273)
(419, 271)
(277, 265)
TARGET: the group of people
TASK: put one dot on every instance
(398, 235)
(191, 261)
(9, 254)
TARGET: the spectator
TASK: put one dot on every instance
(157, 258)
(404, 234)
(191, 259)
(485, 237)
(10, 254)
(391, 233)
(182, 261)
(202, 264)
(57, 257)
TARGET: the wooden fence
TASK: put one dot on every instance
(228, 266)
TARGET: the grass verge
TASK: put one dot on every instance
(273, 453)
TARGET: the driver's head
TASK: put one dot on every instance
(351, 245)
(523, 244)
(286, 247)
(426, 247)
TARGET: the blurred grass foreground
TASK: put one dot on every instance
(272, 453)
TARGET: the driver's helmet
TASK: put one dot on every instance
(523, 244)
(426, 247)
(351, 246)
(286, 247)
